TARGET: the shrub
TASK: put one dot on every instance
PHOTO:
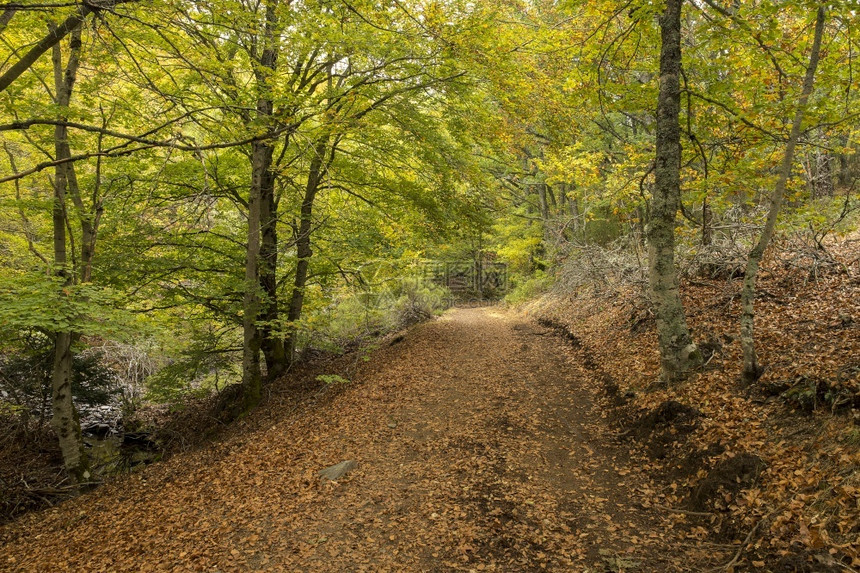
(25, 377)
(359, 316)
(527, 288)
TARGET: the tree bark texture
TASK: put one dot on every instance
(65, 420)
(318, 167)
(272, 343)
(849, 163)
(251, 374)
(751, 368)
(707, 222)
(678, 353)
(6, 17)
(261, 162)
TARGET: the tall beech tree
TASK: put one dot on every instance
(65, 417)
(678, 352)
(316, 72)
(320, 161)
(264, 56)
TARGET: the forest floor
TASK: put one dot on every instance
(481, 444)
(529, 440)
(773, 469)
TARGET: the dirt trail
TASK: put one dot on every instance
(480, 447)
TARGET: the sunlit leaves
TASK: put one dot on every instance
(45, 303)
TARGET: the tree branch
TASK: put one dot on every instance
(53, 37)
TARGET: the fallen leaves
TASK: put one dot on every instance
(475, 455)
(485, 447)
(807, 331)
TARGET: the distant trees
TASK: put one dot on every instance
(724, 114)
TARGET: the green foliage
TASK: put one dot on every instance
(415, 299)
(355, 317)
(332, 379)
(195, 369)
(25, 376)
(529, 287)
(45, 303)
(603, 227)
(826, 215)
(519, 242)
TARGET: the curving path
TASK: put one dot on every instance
(479, 445)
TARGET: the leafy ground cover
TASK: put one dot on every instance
(770, 469)
(479, 447)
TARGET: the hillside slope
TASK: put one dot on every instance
(773, 468)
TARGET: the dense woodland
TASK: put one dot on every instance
(197, 196)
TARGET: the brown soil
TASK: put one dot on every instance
(480, 447)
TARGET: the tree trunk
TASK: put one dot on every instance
(848, 163)
(6, 17)
(251, 375)
(271, 341)
(551, 196)
(567, 213)
(65, 420)
(88, 218)
(261, 161)
(842, 178)
(544, 205)
(821, 174)
(303, 243)
(678, 353)
(707, 222)
(751, 368)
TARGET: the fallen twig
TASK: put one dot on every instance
(60, 490)
(731, 564)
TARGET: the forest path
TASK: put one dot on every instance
(479, 448)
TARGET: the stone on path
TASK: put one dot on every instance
(337, 471)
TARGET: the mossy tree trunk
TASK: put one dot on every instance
(678, 353)
(261, 184)
(272, 342)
